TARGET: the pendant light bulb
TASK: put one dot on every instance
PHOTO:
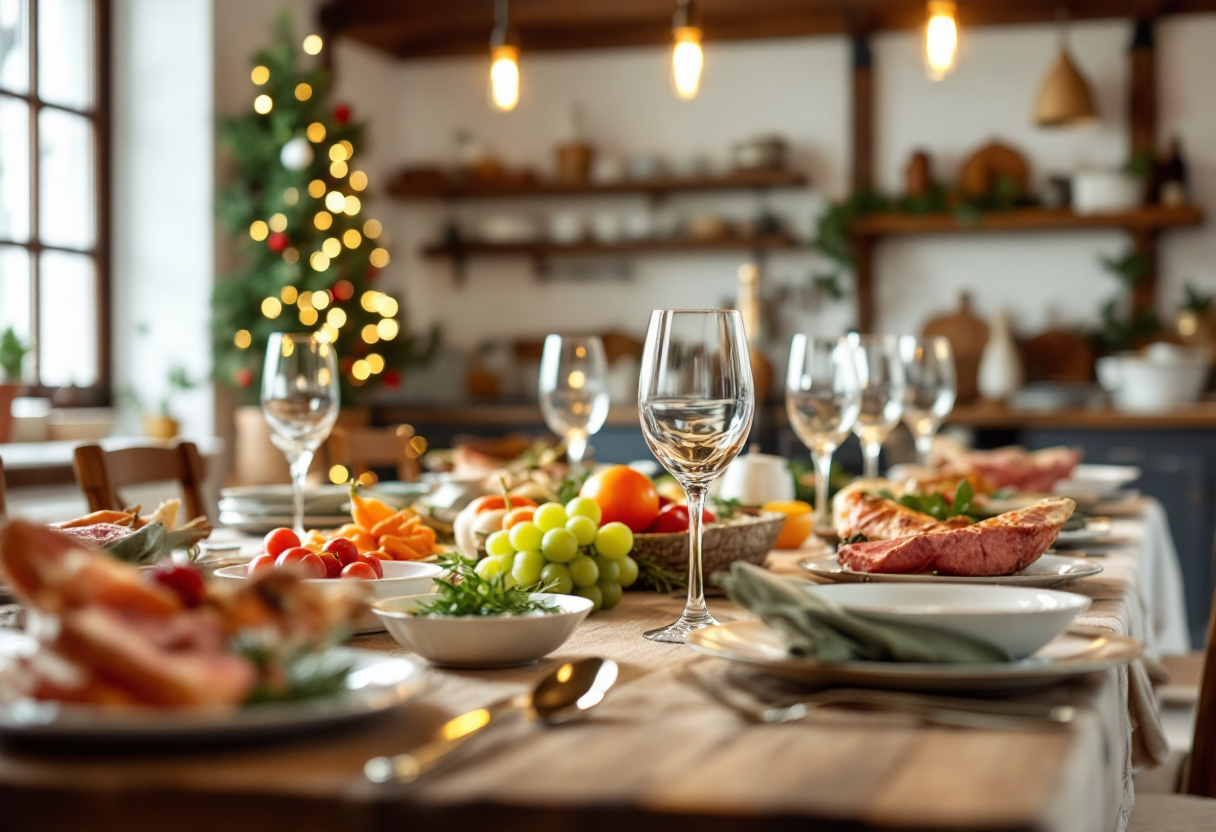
(504, 62)
(687, 58)
(941, 38)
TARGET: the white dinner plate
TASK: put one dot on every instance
(377, 683)
(260, 524)
(1048, 571)
(1095, 528)
(1093, 482)
(1075, 653)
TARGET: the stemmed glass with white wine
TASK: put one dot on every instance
(822, 399)
(574, 390)
(880, 376)
(695, 400)
(929, 397)
(300, 403)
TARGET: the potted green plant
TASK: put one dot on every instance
(12, 356)
(161, 423)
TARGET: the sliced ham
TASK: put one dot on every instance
(1015, 467)
(1001, 545)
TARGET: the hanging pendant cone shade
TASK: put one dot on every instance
(1065, 99)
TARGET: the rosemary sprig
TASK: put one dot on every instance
(471, 594)
(658, 577)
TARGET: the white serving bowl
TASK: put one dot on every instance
(401, 577)
(1093, 482)
(482, 641)
(1018, 619)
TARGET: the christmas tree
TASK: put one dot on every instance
(312, 253)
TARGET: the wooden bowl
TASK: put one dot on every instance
(749, 538)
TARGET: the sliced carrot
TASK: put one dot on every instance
(389, 525)
(400, 549)
(363, 541)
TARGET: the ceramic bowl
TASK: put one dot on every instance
(481, 641)
(401, 577)
(1019, 619)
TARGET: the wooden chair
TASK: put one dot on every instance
(361, 449)
(101, 473)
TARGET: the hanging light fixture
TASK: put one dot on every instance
(941, 38)
(1065, 99)
(687, 59)
(504, 61)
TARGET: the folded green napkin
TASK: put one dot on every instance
(817, 628)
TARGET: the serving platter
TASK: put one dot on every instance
(1078, 652)
(1048, 571)
(377, 683)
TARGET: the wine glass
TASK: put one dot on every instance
(573, 390)
(822, 399)
(300, 403)
(880, 376)
(695, 401)
(929, 397)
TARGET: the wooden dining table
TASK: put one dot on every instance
(657, 754)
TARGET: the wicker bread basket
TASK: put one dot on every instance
(749, 538)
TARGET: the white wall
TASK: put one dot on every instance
(163, 184)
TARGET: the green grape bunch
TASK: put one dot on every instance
(297, 202)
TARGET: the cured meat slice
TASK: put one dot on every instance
(1015, 467)
(878, 518)
(1000, 545)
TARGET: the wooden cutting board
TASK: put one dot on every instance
(967, 334)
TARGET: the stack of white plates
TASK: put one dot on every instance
(256, 509)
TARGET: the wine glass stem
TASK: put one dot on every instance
(299, 463)
(576, 449)
(924, 447)
(823, 474)
(695, 608)
(870, 451)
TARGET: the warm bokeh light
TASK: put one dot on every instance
(369, 300)
(352, 206)
(316, 188)
(504, 77)
(263, 104)
(319, 300)
(372, 229)
(288, 294)
(308, 316)
(260, 75)
(358, 180)
(336, 317)
(375, 362)
(303, 92)
(687, 61)
(315, 132)
(332, 247)
(319, 261)
(344, 290)
(271, 308)
(360, 370)
(348, 147)
(323, 220)
(304, 300)
(941, 38)
(291, 254)
(418, 446)
(313, 44)
(368, 478)
(330, 332)
(379, 257)
(335, 202)
(242, 339)
(259, 230)
(338, 475)
(386, 306)
(278, 222)
(370, 334)
(352, 238)
(338, 169)
(387, 329)
(291, 196)
(337, 153)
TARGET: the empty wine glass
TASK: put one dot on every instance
(300, 403)
(880, 376)
(573, 390)
(695, 401)
(929, 396)
(822, 399)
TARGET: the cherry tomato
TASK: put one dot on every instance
(623, 495)
(342, 547)
(262, 563)
(517, 515)
(373, 562)
(333, 566)
(674, 518)
(186, 582)
(360, 570)
(279, 541)
(292, 556)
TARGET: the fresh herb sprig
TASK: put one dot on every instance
(936, 506)
(292, 673)
(727, 509)
(657, 576)
(468, 593)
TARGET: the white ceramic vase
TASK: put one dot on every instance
(1000, 371)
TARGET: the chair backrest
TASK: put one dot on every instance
(1201, 779)
(3, 508)
(101, 473)
(360, 449)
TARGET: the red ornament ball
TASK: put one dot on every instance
(392, 379)
(277, 241)
(347, 364)
(343, 290)
(342, 114)
(243, 377)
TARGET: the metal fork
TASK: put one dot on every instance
(939, 710)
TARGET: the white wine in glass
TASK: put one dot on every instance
(822, 399)
(695, 401)
(929, 396)
(300, 403)
(880, 376)
(574, 390)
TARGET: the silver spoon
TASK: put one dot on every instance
(564, 695)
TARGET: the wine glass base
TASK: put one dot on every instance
(677, 633)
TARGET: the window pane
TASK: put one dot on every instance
(15, 293)
(65, 186)
(65, 52)
(14, 169)
(14, 45)
(67, 352)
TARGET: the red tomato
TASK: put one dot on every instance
(312, 566)
(186, 582)
(674, 518)
(343, 548)
(360, 570)
(373, 562)
(279, 541)
(333, 566)
(262, 563)
(623, 495)
(517, 515)
(292, 556)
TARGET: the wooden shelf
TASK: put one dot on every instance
(1150, 218)
(1198, 416)
(658, 186)
(541, 250)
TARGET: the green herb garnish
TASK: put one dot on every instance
(570, 487)
(857, 538)
(936, 506)
(726, 509)
(658, 577)
(292, 674)
(468, 593)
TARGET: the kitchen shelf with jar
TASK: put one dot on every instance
(1146, 219)
(443, 187)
